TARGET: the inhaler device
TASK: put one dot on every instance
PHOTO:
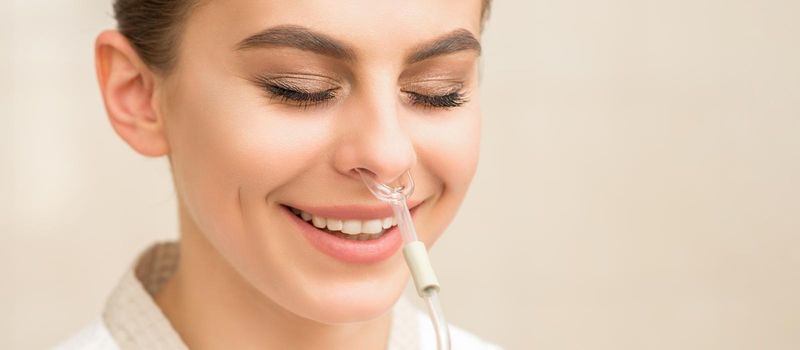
(413, 249)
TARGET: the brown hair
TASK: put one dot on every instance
(154, 27)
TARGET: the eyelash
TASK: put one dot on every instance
(451, 100)
(294, 95)
(305, 99)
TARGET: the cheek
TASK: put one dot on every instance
(448, 150)
(227, 147)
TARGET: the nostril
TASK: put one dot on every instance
(359, 171)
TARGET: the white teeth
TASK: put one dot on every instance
(350, 227)
(319, 222)
(334, 224)
(372, 226)
(386, 223)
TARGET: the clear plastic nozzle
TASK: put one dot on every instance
(398, 190)
(396, 194)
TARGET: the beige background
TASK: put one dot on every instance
(639, 186)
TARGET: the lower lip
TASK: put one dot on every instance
(347, 250)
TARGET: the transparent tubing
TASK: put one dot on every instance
(414, 250)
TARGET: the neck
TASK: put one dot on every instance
(212, 307)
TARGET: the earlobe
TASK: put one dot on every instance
(127, 86)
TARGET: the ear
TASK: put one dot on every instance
(128, 85)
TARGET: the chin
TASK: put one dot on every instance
(353, 303)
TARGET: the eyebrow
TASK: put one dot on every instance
(455, 41)
(300, 38)
(305, 39)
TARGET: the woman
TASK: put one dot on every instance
(264, 110)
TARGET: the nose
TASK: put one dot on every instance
(374, 139)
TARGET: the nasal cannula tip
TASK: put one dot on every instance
(400, 189)
(395, 193)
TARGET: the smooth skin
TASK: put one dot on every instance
(247, 278)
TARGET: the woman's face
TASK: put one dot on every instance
(273, 104)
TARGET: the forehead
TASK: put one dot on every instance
(371, 27)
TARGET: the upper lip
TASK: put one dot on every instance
(353, 211)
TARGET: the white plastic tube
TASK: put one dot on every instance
(414, 251)
(437, 317)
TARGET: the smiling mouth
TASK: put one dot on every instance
(352, 229)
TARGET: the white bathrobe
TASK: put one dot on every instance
(132, 320)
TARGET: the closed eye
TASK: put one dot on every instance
(298, 92)
(292, 95)
(450, 100)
